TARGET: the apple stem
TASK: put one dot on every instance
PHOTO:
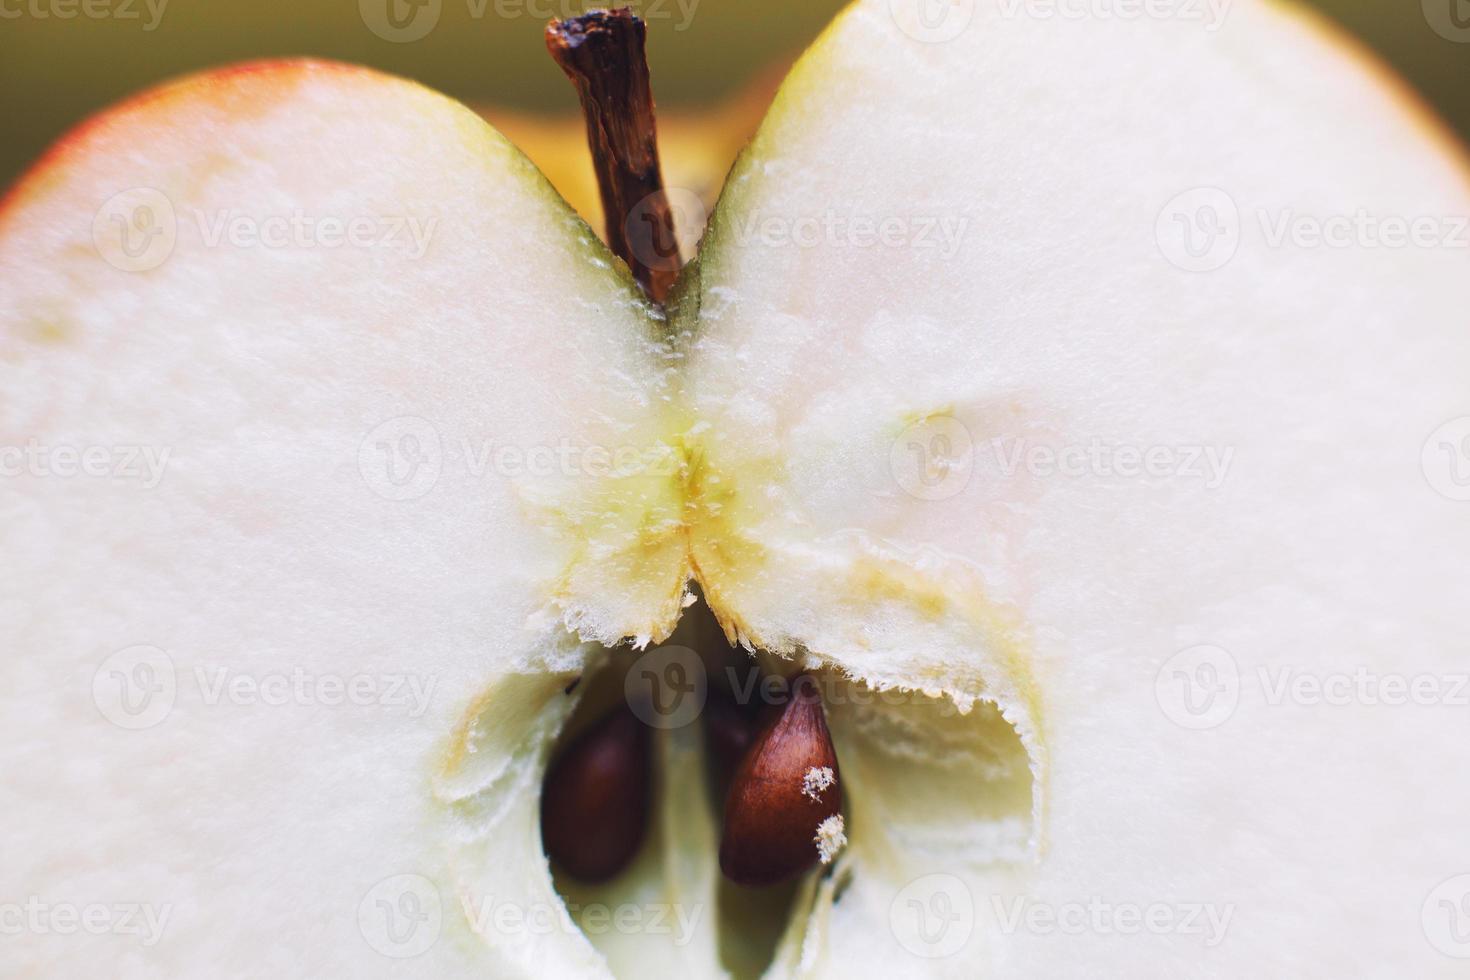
(602, 52)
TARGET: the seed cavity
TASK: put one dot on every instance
(730, 729)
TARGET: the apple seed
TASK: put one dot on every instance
(782, 814)
(595, 799)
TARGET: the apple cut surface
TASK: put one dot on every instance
(230, 680)
(888, 423)
(286, 662)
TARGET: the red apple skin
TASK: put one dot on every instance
(233, 90)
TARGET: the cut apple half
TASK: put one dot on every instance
(349, 479)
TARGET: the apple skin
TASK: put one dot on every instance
(219, 88)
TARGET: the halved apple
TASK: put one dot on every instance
(346, 472)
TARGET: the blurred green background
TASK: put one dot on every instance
(54, 70)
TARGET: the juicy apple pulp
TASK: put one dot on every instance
(316, 668)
